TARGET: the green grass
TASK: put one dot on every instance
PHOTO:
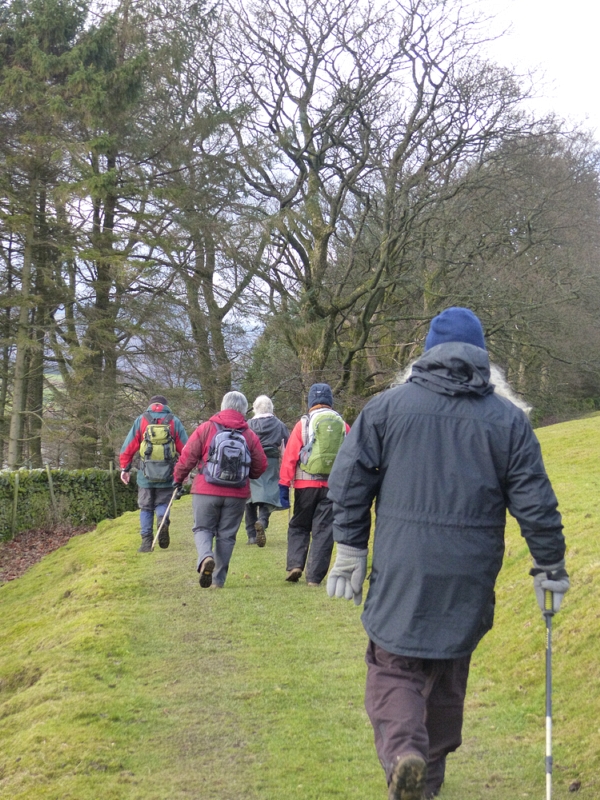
(121, 678)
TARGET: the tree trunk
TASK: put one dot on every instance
(6, 365)
(35, 391)
(3, 396)
(40, 316)
(15, 437)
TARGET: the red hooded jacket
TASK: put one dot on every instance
(197, 449)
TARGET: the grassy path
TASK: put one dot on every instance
(137, 683)
(120, 678)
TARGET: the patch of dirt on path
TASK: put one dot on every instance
(29, 547)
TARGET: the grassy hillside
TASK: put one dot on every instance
(120, 678)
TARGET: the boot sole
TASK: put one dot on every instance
(206, 571)
(164, 540)
(408, 779)
(261, 537)
(294, 575)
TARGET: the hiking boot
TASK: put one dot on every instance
(206, 571)
(312, 583)
(261, 538)
(164, 539)
(408, 779)
(146, 545)
(436, 771)
(294, 575)
(251, 540)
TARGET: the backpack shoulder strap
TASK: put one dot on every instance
(145, 420)
(305, 420)
(218, 429)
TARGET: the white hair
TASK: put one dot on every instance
(235, 401)
(263, 405)
(497, 377)
(503, 389)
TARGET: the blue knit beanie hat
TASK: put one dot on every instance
(455, 325)
(320, 394)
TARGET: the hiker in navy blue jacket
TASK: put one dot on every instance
(444, 456)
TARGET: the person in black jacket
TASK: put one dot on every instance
(273, 435)
(445, 456)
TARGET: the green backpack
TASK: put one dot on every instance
(323, 432)
(157, 450)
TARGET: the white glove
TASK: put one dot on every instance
(552, 578)
(348, 573)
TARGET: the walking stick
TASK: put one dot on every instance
(165, 516)
(548, 614)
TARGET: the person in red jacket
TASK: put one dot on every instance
(312, 507)
(153, 495)
(228, 454)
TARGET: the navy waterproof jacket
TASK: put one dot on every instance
(445, 457)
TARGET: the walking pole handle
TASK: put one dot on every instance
(548, 602)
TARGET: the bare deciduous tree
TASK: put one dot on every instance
(362, 116)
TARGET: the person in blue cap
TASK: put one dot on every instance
(306, 464)
(445, 456)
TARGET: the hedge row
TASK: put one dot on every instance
(44, 498)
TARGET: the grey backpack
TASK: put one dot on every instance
(228, 462)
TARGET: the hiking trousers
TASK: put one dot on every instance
(216, 518)
(256, 512)
(416, 708)
(151, 502)
(313, 513)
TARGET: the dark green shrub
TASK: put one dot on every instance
(82, 497)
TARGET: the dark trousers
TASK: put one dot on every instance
(416, 708)
(313, 513)
(255, 512)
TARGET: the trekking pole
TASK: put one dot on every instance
(165, 516)
(548, 614)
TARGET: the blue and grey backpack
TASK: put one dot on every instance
(228, 462)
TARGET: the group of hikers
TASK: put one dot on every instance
(443, 456)
(244, 469)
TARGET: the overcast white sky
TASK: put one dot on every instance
(562, 39)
